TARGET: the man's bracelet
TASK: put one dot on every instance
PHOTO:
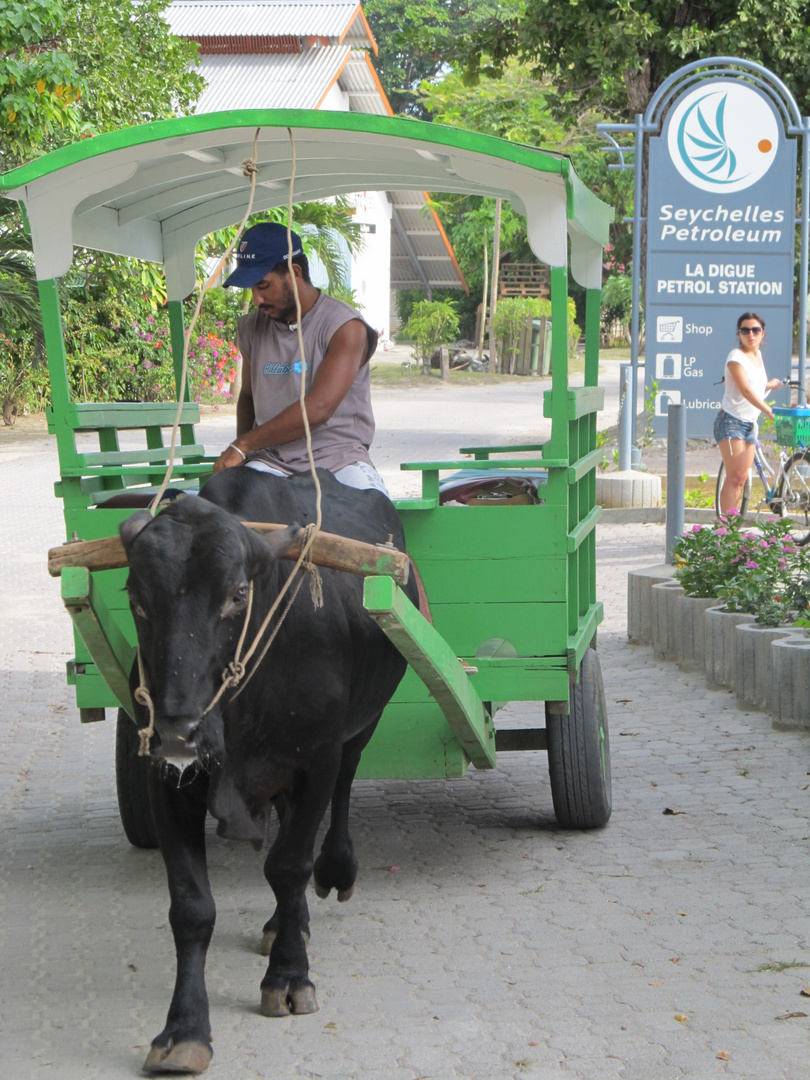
(233, 446)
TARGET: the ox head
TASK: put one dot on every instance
(190, 570)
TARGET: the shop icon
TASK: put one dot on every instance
(669, 328)
(668, 365)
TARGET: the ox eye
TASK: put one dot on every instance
(236, 603)
(136, 607)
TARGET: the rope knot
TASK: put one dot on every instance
(233, 673)
(143, 697)
(315, 583)
(249, 167)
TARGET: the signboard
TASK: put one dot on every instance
(720, 238)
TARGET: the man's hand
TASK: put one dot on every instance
(229, 457)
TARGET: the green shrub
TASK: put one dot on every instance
(432, 323)
(19, 391)
(510, 315)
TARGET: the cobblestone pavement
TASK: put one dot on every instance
(482, 943)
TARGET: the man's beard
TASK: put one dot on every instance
(289, 310)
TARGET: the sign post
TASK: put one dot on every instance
(721, 224)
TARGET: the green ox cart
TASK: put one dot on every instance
(511, 590)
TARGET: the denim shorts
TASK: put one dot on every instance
(727, 426)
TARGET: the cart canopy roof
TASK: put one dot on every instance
(153, 191)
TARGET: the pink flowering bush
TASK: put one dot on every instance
(762, 572)
(211, 368)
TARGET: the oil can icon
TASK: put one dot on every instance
(665, 399)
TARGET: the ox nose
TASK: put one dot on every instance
(178, 736)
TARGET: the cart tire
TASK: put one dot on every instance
(130, 782)
(579, 753)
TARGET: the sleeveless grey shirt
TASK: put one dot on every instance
(271, 349)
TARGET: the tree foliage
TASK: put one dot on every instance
(75, 69)
(519, 106)
(612, 55)
(414, 37)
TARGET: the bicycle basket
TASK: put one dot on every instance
(792, 426)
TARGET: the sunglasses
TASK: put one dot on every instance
(750, 330)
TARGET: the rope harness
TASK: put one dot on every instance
(236, 676)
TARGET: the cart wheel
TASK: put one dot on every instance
(130, 782)
(579, 753)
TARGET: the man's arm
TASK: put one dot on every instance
(245, 412)
(347, 352)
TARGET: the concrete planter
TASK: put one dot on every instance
(628, 489)
(666, 620)
(790, 681)
(692, 629)
(767, 667)
(639, 601)
(752, 663)
(720, 643)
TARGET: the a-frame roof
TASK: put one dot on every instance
(292, 54)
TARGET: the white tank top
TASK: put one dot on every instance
(733, 401)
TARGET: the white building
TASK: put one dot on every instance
(277, 54)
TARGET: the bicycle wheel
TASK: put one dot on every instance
(754, 494)
(793, 495)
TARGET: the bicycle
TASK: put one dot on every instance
(785, 488)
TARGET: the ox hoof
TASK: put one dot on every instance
(182, 1057)
(345, 894)
(322, 891)
(269, 936)
(283, 1001)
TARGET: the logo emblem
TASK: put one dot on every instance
(242, 246)
(723, 136)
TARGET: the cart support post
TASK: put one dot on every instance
(558, 444)
(177, 333)
(436, 665)
(86, 607)
(593, 321)
(57, 360)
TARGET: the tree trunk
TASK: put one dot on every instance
(483, 302)
(493, 299)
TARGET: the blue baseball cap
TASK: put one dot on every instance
(261, 248)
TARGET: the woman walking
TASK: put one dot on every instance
(735, 428)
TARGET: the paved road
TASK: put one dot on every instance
(483, 943)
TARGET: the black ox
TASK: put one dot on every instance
(290, 738)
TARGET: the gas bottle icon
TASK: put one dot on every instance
(668, 365)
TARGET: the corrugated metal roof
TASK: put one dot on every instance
(361, 83)
(270, 81)
(423, 243)
(340, 20)
(420, 253)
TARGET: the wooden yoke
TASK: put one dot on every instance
(335, 552)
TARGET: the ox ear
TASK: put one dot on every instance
(130, 528)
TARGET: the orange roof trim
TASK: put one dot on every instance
(358, 11)
(378, 84)
(332, 81)
(448, 245)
